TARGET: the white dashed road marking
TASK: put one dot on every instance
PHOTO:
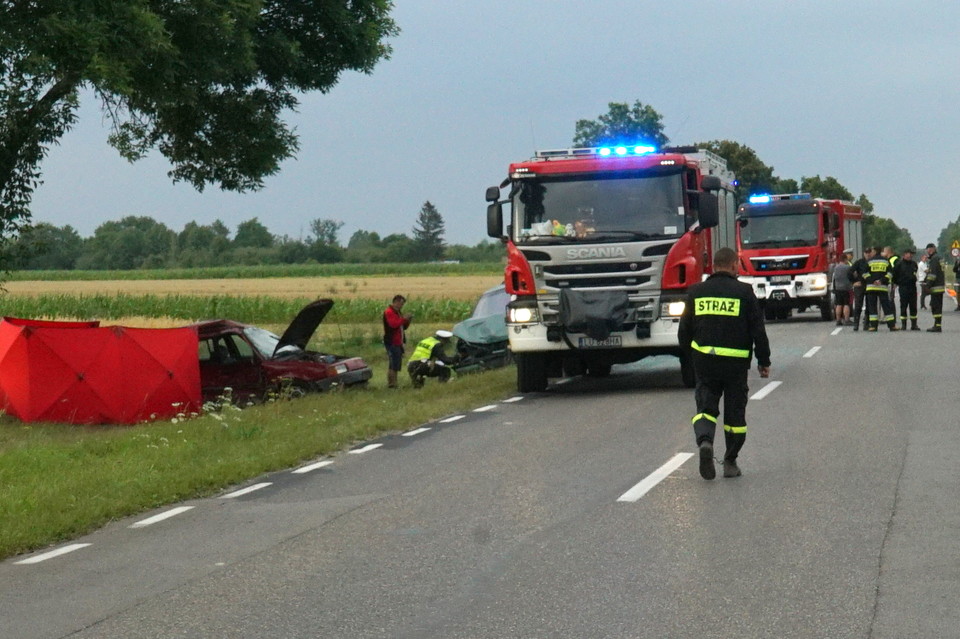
(164, 515)
(52, 554)
(766, 390)
(513, 399)
(416, 431)
(484, 409)
(365, 449)
(451, 419)
(811, 352)
(837, 330)
(307, 469)
(247, 490)
(655, 477)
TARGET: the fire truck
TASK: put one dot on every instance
(602, 244)
(787, 244)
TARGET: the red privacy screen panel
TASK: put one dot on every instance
(80, 373)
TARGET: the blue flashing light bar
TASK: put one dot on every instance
(764, 198)
(759, 199)
(638, 149)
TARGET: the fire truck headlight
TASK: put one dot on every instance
(820, 281)
(522, 315)
(672, 309)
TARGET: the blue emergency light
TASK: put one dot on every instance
(639, 149)
(759, 199)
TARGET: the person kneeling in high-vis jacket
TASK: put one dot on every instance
(430, 360)
(720, 330)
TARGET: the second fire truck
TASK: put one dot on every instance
(787, 244)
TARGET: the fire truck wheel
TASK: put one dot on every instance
(531, 372)
(687, 372)
(826, 309)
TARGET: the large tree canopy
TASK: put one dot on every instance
(622, 124)
(205, 82)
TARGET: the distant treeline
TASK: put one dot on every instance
(136, 243)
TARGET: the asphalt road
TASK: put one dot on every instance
(525, 520)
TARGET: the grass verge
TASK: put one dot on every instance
(63, 481)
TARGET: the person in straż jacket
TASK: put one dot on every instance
(876, 283)
(936, 283)
(856, 277)
(721, 329)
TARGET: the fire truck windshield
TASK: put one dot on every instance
(598, 208)
(780, 231)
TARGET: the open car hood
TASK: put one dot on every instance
(304, 325)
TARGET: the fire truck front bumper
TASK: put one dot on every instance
(657, 335)
(783, 288)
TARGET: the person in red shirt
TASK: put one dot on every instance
(394, 325)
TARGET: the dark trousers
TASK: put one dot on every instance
(715, 379)
(858, 305)
(426, 368)
(881, 299)
(908, 303)
(936, 307)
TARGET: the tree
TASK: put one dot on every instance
(326, 231)
(130, 243)
(622, 124)
(428, 233)
(205, 82)
(753, 176)
(881, 231)
(253, 234)
(828, 188)
(44, 247)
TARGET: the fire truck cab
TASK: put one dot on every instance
(602, 244)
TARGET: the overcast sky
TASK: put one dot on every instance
(866, 92)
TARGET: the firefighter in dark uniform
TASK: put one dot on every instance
(720, 327)
(876, 282)
(936, 284)
(430, 359)
(905, 279)
(856, 276)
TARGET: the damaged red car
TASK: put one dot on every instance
(253, 362)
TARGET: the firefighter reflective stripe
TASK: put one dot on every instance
(876, 288)
(739, 430)
(723, 351)
(937, 289)
(704, 416)
(879, 266)
(717, 306)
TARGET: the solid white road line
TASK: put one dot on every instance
(451, 419)
(811, 352)
(837, 331)
(484, 409)
(513, 399)
(766, 390)
(416, 431)
(655, 477)
(307, 469)
(53, 553)
(164, 515)
(247, 490)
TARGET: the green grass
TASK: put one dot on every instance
(250, 309)
(267, 270)
(62, 481)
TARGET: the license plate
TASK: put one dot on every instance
(589, 342)
(779, 279)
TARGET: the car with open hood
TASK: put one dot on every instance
(482, 341)
(253, 362)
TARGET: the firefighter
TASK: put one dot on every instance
(856, 276)
(876, 283)
(893, 258)
(936, 285)
(429, 359)
(905, 279)
(719, 329)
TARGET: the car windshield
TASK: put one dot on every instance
(264, 341)
(492, 303)
(780, 231)
(603, 208)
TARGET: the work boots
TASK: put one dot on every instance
(707, 469)
(730, 468)
(903, 325)
(913, 325)
(935, 329)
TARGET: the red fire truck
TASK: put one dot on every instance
(602, 244)
(787, 244)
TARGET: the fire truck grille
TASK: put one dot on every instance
(577, 269)
(597, 282)
(779, 264)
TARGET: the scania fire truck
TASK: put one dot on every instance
(602, 244)
(787, 244)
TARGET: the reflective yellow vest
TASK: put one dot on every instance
(424, 349)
